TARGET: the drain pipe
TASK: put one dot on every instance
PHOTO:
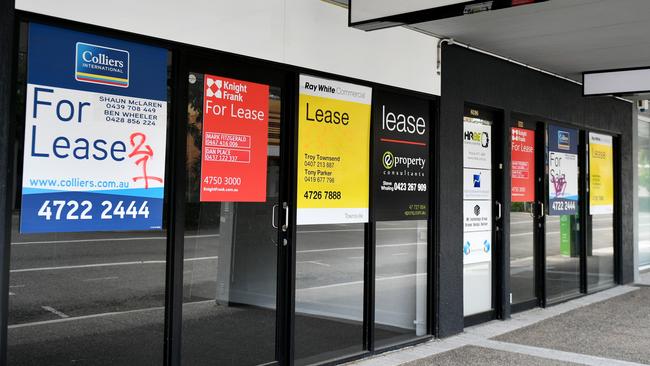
(449, 41)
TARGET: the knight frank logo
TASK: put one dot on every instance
(214, 88)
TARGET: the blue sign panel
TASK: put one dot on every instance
(562, 171)
(95, 133)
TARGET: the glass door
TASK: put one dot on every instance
(562, 222)
(524, 209)
(236, 213)
(478, 216)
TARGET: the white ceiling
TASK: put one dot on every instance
(565, 37)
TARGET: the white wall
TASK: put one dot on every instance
(307, 33)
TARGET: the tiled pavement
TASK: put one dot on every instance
(609, 328)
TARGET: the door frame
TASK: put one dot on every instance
(209, 62)
(519, 120)
(496, 117)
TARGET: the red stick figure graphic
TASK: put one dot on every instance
(139, 148)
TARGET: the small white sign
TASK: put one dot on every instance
(477, 247)
(477, 145)
(477, 184)
(477, 216)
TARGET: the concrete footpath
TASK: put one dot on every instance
(609, 328)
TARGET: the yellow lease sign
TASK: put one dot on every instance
(333, 152)
(601, 174)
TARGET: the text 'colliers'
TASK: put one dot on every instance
(327, 116)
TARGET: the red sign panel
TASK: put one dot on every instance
(523, 165)
(235, 139)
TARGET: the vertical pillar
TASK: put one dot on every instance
(7, 57)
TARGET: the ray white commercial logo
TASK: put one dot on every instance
(102, 65)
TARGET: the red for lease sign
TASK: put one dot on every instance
(235, 139)
(523, 165)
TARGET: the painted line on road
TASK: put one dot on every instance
(101, 240)
(360, 282)
(105, 265)
(55, 312)
(354, 230)
(557, 232)
(357, 248)
(101, 315)
(101, 279)
(314, 262)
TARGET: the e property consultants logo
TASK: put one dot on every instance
(102, 65)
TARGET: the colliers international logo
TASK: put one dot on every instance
(102, 65)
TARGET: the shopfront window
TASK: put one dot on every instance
(644, 191)
(87, 283)
(600, 251)
(231, 239)
(562, 218)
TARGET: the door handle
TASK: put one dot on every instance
(285, 207)
(273, 222)
(499, 208)
(541, 211)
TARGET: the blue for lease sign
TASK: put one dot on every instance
(95, 133)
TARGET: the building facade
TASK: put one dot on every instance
(257, 183)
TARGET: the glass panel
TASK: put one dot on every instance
(400, 281)
(92, 298)
(600, 258)
(522, 210)
(522, 253)
(329, 291)
(644, 192)
(230, 274)
(477, 216)
(562, 231)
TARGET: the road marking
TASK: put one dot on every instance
(55, 312)
(105, 265)
(360, 282)
(404, 253)
(357, 248)
(364, 257)
(17, 286)
(11, 294)
(353, 230)
(101, 279)
(101, 240)
(101, 315)
(315, 262)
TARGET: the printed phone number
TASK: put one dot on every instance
(409, 187)
(216, 180)
(319, 195)
(75, 210)
(564, 205)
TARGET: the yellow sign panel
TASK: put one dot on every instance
(333, 152)
(601, 174)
